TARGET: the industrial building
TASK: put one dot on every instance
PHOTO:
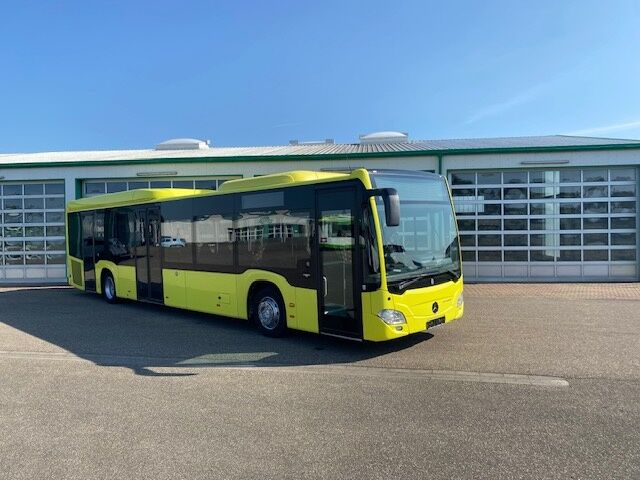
(550, 208)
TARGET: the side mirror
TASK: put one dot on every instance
(391, 205)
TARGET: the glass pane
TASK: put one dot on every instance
(515, 240)
(623, 255)
(468, 240)
(623, 222)
(489, 224)
(596, 255)
(14, 259)
(463, 178)
(13, 204)
(599, 175)
(113, 187)
(489, 194)
(539, 224)
(623, 207)
(592, 239)
(515, 209)
(489, 209)
(515, 193)
(34, 231)
(622, 174)
(54, 188)
(489, 178)
(33, 203)
(596, 207)
(515, 224)
(161, 184)
(570, 208)
(514, 177)
(489, 240)
(32, 245)
(543, 208)
(516, 256)
(543, 255)
(55, 231)
(33, 217)
(623, 239)
(570, 239)
(138, 185)
(34, 259)
(569, 224)
(623, 190)
(543, 239)
(94, 188)
(13, 218)
(550, 176)
(464, 192)
(467, 225)
(595, 191)
(33, 189)
(569, 176)
(543, 192)
(468, 255)
(595, 223)
(12, 232)
(206, 184)
(54, 203)
(55, 217)
(183, 184)
(55, 259)
(569, 192)
(14, 246)
(570, 256)
(12, 190)
(55, 245)
(489, 256)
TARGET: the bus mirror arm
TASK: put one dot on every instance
(391, 205)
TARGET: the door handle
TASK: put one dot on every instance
(324, 285)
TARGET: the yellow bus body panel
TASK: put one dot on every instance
(416, 305)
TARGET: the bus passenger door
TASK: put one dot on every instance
(148, 254)
(88, 250)
(338, 300)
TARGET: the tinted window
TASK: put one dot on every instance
(213, 236)
(176, 233)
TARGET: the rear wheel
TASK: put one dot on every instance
(268, 312)
(109, 288)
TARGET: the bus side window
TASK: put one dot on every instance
(75, 235)
(370, 257)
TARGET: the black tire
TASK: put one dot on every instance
(268, 312)
(109, 288)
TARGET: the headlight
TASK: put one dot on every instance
(460, 300)
(392, 317)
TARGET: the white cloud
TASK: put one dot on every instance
(616, 127)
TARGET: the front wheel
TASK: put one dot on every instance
(268, 312)
(109, 289)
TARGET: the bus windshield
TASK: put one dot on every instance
(425, 244)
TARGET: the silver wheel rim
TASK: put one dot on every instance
(268, 313)
(109, 288)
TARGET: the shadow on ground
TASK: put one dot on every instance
(142, 336)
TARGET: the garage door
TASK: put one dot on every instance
(91, 188)
(32, 232)
(564, 224)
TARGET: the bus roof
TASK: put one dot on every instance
(149, 195)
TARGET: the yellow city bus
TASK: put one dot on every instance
(365, 255)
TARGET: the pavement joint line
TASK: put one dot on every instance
(343, 369)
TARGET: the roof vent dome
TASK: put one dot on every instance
(183, 144)
(384, 137)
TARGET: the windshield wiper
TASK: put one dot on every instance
(406, 283)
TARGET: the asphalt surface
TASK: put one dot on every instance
(527, 385)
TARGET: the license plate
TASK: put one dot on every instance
(433, 323)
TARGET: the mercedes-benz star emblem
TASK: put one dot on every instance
(434, 307)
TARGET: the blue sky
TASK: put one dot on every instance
(129, 74)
